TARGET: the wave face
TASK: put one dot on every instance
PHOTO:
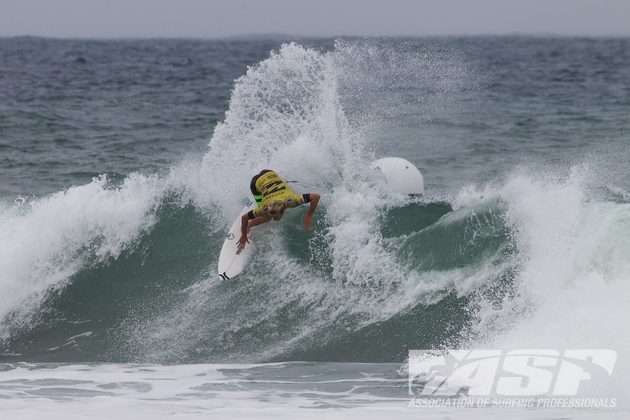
(124, 270)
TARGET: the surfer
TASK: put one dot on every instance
(273, 196)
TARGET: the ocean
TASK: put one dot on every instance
(124, 162)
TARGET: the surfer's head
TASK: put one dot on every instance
(276, 210)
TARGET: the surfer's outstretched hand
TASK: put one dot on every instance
(241, 243)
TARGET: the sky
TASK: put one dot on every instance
(225, 18)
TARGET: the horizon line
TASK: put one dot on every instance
(271, 35)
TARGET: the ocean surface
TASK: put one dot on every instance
(123, 164)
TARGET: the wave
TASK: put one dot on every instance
(124, 270)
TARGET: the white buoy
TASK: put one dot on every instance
(401, 175)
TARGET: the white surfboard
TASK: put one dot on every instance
(401, 175)
(231, 261)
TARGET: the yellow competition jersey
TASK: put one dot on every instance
(273, 188)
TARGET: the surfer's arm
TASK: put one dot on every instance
(247, 223)
(244, 228)
(259, 221)
(308, 218)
